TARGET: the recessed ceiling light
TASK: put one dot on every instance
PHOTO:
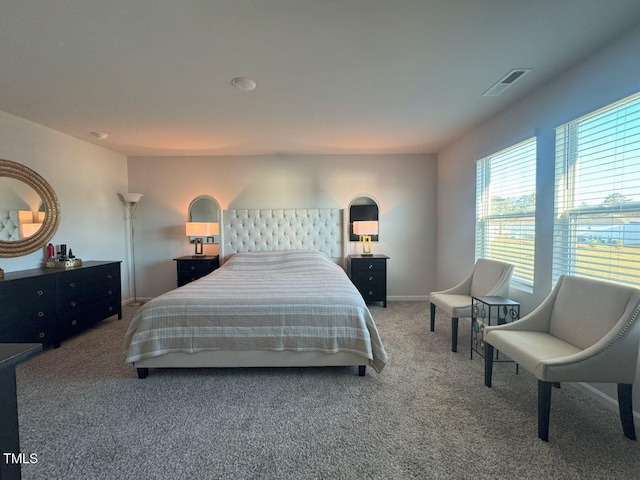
(243, 83)
(100, 135)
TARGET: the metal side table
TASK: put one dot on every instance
(490, 310)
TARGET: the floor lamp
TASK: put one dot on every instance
(131, 200)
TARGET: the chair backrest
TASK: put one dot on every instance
(585, 310)
(491, 277)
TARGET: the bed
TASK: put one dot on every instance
(279, 299)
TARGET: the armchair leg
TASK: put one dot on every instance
(454, 334)
(433, 317)
(488, 364)
(544, 408)
(626, 410)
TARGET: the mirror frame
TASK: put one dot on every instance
(51, 207)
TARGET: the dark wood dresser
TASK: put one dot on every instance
(48, 305)
(369, 274)
(191, 268)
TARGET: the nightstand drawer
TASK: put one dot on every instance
(372, 293)
(371, 278)
(373, 265)
(193, 268)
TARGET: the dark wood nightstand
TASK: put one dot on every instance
(369, 275)
(191, 268)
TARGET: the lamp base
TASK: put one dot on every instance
(199, 250)
(366, 246)
(366, 254)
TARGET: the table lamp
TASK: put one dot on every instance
(197, 231)
(365, 230)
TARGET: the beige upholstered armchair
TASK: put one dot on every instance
(584, 331)
(489, 277)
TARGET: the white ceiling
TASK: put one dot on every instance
(334, 76)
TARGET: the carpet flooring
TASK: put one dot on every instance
(428, 415)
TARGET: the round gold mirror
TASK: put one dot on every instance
(21, 235)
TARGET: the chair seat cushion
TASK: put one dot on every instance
(530, 349)
(454, 305)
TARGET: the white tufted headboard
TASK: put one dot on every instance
(11, 222)
(265, 230)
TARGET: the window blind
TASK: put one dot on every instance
(597, 204)
(506, 207)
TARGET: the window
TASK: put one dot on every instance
(597, 205)
(506, 208)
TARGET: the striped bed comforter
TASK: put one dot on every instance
(281, 301)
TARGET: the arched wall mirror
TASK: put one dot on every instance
(203, 222)
(29, 210)
(362, 208)
(204, 209)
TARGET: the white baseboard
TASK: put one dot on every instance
(408, 298)
(129, 300)
(602, 398)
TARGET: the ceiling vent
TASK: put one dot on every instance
(505, 82)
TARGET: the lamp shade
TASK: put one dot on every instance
(29, 229)
(201, 229)
(131, 197)
(365, 228)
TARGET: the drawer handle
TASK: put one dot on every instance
(41, 335)
(193, 267)
(74, 322)
(110, 292)
(40, 314)
(370, 278)
(110, 308)
(370, 266)
(72, 285)
(40, 293)
(370, 292)
(109, 277)
(73, 304)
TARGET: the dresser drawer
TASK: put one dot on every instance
(40, 331)
(29, 300)
(28, 311)
(89, 284)
(73, 285)
(106, 283)
(75, 320)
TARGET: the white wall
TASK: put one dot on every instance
(403, 185)
(85, 178)
(609, 76)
